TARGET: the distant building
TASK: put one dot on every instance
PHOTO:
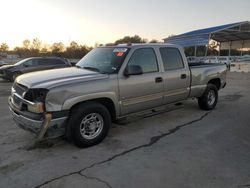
(235, 36)
(12, 56)
(3, 54)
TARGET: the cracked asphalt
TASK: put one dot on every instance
(183, 147)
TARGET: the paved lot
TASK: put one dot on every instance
(185, 147)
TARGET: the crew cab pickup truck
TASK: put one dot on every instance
(108, 84)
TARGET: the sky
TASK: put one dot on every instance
(104, 21)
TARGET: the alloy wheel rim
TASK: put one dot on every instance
(211, 97)
(91, 125)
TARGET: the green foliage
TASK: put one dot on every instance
(154, 41)
(4, 47)
(35, 47)
(128, 39)
(26, 44)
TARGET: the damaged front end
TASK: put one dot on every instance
(29, 112)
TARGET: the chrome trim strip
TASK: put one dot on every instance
(175, 92)
(24, 100)
(145, 98)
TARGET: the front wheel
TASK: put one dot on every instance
(209, 98)
(88, 124)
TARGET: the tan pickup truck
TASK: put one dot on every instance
(108, 84)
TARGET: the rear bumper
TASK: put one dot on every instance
(43, 125)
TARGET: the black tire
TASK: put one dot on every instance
(78, 114)
(207, 101)
(15, 75)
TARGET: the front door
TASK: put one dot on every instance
(145, 91)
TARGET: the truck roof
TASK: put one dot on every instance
(138, 44)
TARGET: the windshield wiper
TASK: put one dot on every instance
(78, 66)
(92, 68)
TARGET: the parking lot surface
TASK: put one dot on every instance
(184, 147)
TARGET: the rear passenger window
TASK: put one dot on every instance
(58, 62)
(50, 62)
(146, 59)
(171, 58)
(42, 62)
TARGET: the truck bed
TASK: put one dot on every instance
(202, 73)
(203, 64)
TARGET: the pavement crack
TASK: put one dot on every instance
(244, 185)
(97, 179)
(152, 141)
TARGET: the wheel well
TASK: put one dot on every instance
(216, 82)
(108, 103)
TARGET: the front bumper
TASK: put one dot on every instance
(45, 125)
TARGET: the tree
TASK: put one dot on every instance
(4, 47)
(36, 44)
(57, 48)
(26, 43)
(76, 51)
(154, 41)
(128, 39)
(74, 45)
(44, 50)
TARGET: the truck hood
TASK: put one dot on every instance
(57, 77)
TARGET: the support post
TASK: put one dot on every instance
(242, 46)
(195, 51)
(219, 49)
(229, 50)
(206, 50)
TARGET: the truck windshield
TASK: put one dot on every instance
(106, 60)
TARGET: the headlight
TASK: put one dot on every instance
(36, 108)
(37, 97)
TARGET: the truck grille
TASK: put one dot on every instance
(20, 89)
(17, 101)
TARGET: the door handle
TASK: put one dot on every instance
(158, 79)
(183, 76)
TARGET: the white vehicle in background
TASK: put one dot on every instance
(219, 59)
(245, 58)
(192, 59)
(211, 59)
(225, 60)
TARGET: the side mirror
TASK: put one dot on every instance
(133, 70)
(25, 65)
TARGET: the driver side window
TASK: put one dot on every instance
(146, 59)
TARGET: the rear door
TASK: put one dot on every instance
(141, 92)
(176, 75)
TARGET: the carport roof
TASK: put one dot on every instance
(230, 32)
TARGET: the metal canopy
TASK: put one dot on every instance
(239, 31)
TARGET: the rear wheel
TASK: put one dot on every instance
(209, 98)
(88, 124)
